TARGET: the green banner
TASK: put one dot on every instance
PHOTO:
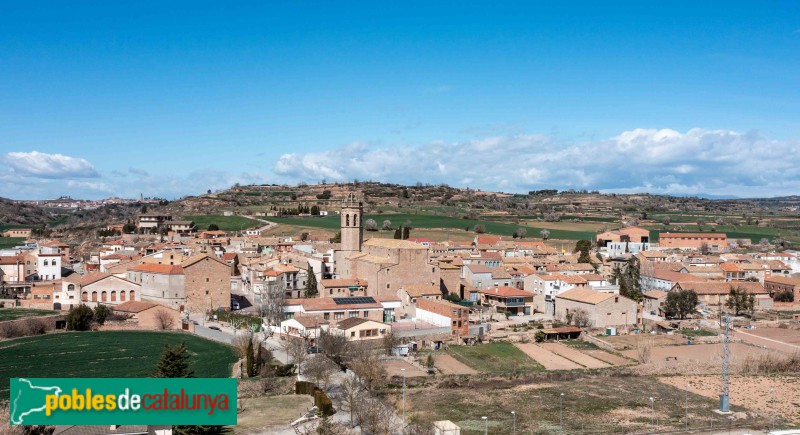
(123, 401)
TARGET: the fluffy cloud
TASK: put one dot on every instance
(43, 165)
(720, 162)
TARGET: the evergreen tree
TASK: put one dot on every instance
(213, 227)
(249, 362)
(584, 246)
(311, 283)
(174, 363)
(398, 233)
(80, 318)
(406, 232)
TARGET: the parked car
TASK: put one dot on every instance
(234, 304)
(314, 349)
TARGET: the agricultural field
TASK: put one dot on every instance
(752, 232)
(423, 221)
(106, 354)
(225, 223)
(10, 242)
(591, 404)
(18, 313)
(495, 358)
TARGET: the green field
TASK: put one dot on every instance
(10, 242)
(434, 221)
(495, 358)
(18, 313)
(752, 232)
(225, 223)
(110, 354)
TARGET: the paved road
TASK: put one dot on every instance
(226, 334)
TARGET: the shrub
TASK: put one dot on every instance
(284, 370)
(80, 318)
(101, 313)
(10, 330)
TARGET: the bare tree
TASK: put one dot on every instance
(349, 394)
(545, 234)
(319, 369)
(367, 365)
(164, 319)
(644, 349)
(387, 224)
(371, 225)
(375, 417)
(272, 306)
(296, 350)
(323, 425)
(581, 318)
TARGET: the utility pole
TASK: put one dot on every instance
(686, 415)
(404, 395)
(724, 400)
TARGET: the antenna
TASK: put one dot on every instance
(724, 400)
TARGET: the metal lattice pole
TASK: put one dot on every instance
(724, 404)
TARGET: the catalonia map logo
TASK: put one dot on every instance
(152, 401)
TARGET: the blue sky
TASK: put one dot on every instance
(118, 98)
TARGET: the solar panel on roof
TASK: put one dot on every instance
(356, 300)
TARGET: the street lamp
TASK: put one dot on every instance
(686, 415)
(485, 425)
(561, 413)
(404, 395)
(514, 414)
(652, 413)
(772, 393)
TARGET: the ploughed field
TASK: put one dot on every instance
(106, 354)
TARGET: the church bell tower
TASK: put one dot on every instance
(352, 223)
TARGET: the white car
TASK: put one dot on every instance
(234, 304)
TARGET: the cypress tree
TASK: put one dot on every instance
(174, 363)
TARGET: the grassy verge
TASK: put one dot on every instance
(495, 358)
(225, 223)
(108, 354)
(19, 313)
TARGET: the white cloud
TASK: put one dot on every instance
(699, 160)
(43, 165)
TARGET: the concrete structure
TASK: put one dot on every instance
(95, 288)
(714, 294)
(149, 315)
(160, 283)
(443, 313)
(359, 328)
(776, 284)
(334, 310)
(507, 299)
(603, 309)
(712, 242)
(18, 232)
(622, 235)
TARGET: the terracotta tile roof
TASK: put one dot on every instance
(506, 292)
(393, 243)
(655, 294)
(668, 275)
(783, 280)
(593, 277)
(730, 267)
(721, 288)
(228, 256)
(6, 260)
(351, 322)
(479, 268)
(574, 279)
(334, 283)
(93, 277)
(488, 240)
(586, 296)
(328, 304)
(310, 321)
(134, 306)
(199, 257)
(419, 290)
(701, 236)
(164, 269)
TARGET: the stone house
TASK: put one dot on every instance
(603, 309)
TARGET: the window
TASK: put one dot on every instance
(338, 315)
(113, 296)
(387, 285)
(122, 295)
(206, 279)
(366, 313)
(46, 263)
(352, 314)
(132, 295)
(71, 287)
(94, 296)
(353, 333)
(326, 316)
(347, 220)
(331, 291)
